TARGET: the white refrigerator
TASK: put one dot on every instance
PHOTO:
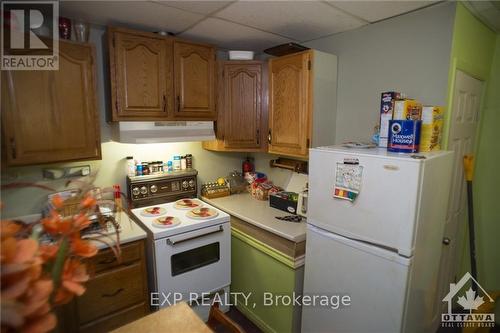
(380, 243)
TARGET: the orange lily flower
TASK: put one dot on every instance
(82, 248)
(74, 274)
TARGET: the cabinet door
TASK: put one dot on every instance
(51, 116)
(242, 105)
(289, 104)
(194, 70)
(142, 83)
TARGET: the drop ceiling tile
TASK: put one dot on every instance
(300, 20)
(232, 36)
(137, 14)
(378, 10)
(200, 7)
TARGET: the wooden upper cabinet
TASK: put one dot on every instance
(51, 116)
(302, 102)
(141, 76)
(241, 107)
(289, 104)
(194, 85)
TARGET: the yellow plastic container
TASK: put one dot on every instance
(432, 128)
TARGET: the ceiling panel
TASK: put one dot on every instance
(378, 10)
(300, 20)
(200, 7)
(143, 14)
(232, 36)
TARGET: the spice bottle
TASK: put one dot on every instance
(183, 163)
(177, 163)
(130, 166)
(189, 161)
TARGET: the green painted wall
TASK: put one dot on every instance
(487, 181)
(475, 50)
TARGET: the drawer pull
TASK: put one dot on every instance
(107, 261)
(113, 294)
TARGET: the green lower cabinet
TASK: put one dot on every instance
(258, 269)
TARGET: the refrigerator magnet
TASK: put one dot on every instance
(348, 179)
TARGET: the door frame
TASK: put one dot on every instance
(456, 66)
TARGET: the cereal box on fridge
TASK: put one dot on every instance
(386, 110)
(407, 109)
(432, 128)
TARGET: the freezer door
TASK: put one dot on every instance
(375, 280)
(385, 210)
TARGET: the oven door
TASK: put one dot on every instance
(198, 262)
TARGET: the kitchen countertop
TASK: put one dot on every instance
(260, 214)
(130, 231)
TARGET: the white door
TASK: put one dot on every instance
(462, 136)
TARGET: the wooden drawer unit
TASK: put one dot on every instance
(111, 291)
(116, 294)
(106, 259)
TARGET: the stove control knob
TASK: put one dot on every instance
(153, 188)
(136, 191)
(191, 183)
(144, 190)
(185, 184)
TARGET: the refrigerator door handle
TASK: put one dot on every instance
(382, 251)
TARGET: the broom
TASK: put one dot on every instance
(468, 172)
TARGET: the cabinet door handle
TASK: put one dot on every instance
(178, 103)
(107, 261)
(258, 137)
(164, 103)
(113, 294)
(269, 137)
(13, 148)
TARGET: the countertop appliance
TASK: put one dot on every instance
(381, 246)
(192, 257)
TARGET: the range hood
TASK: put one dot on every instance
(163, 131)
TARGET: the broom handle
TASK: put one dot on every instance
(469, 172)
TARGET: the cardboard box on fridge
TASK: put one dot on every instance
(407, 109)
(386, 110)
(432, 128)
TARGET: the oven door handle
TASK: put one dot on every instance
(173, 242)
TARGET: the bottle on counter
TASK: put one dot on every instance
(170, 166)
(189, 161)
(183, 163)
(145, 168)
(138, 169)
(130, 166)
(247, 166)
(177, 163)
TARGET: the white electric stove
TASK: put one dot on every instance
(189, 257)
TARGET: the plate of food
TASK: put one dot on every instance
(166, 222)
(202, 213)
(153, 211)
(187, 204)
